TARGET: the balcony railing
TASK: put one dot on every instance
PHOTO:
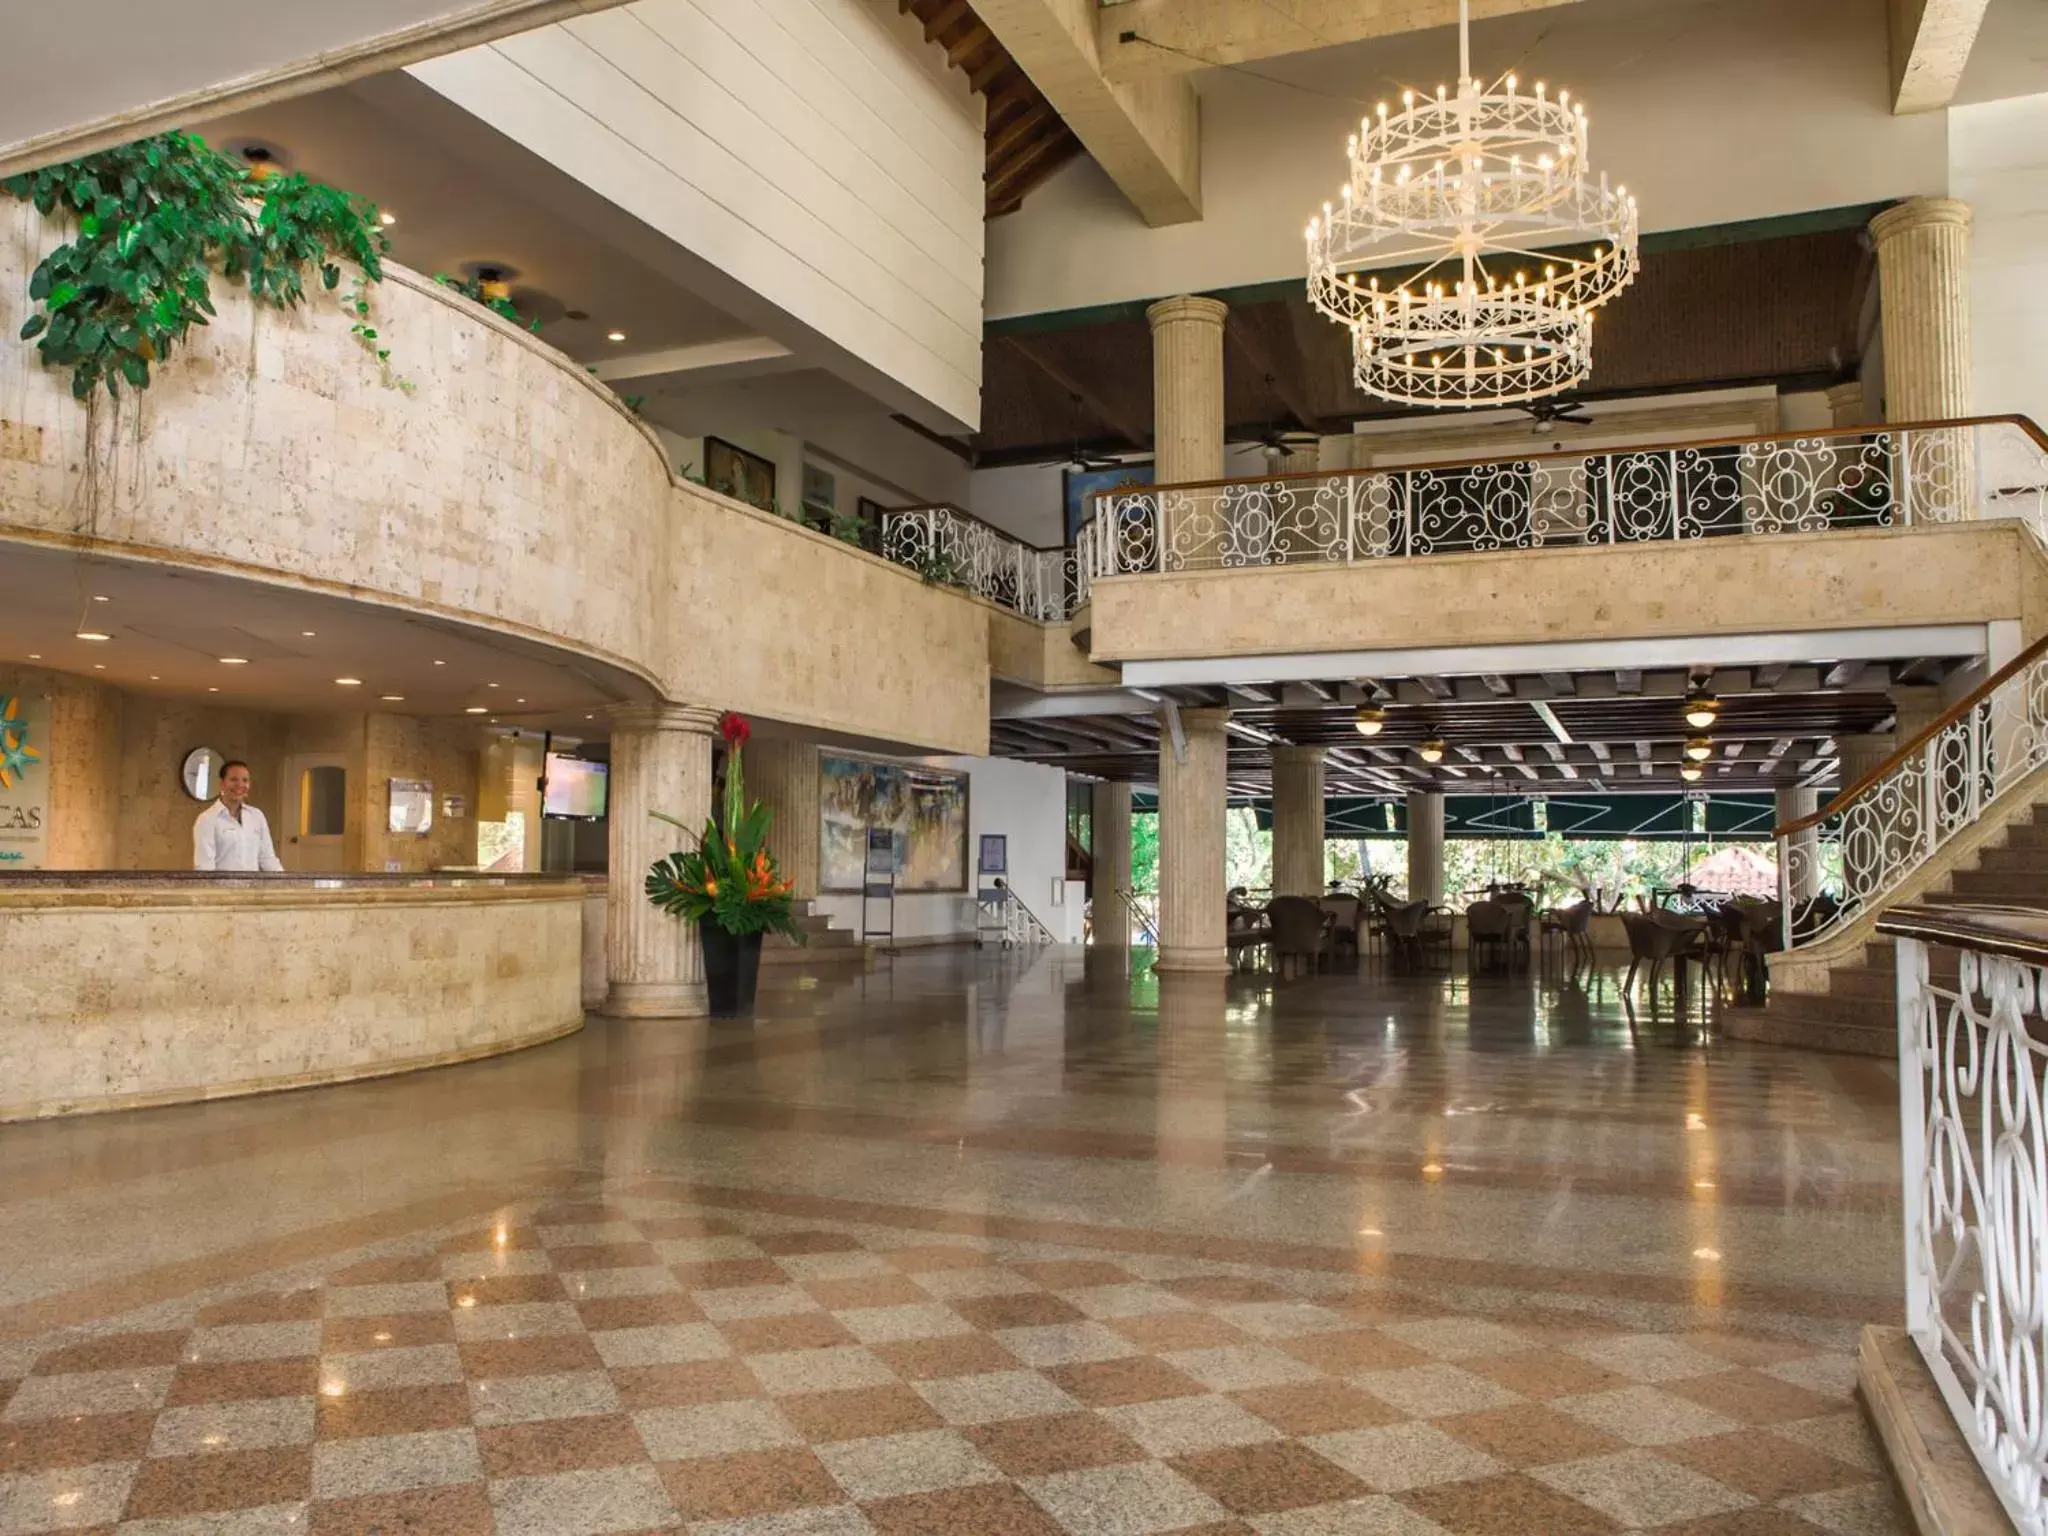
(1849, 857)
(1973, 1055)
(958, 549)
(1857, 477)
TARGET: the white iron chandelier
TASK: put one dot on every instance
(1502, 242)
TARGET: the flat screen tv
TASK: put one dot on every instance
(576, 788)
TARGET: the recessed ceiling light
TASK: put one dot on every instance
(590, 717)
(35, 655)
(614, 335)
(519, 701)
(93, 634)
(440, 663)
(349, 682)
(99, 666)
(234, 661)
(392, 698)
(154, 678)
(387, 219)
(474, 709)
(490, 685)
(305, 634)
(96, 597)
(213, 690)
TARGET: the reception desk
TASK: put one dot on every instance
(119, 990)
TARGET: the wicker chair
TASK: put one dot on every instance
(1488, 928)
(1301, 931)
(1347, 914)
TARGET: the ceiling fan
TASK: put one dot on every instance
(1085, 463)
(1557, 413)
(1278, 446)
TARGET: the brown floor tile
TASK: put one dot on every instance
(403, 1330)
(461, 1509)
(1164, 1331)
(1216, 1528)
(37, 1445)
(991, 1509)
(1488, 1505)
(1355, 1349)
(1745, 1522)
(604, 1256)
(662, 1229)
(729, 1274)
(857, 1414)
(114, 1352)
(576, 1213)
(193, 1485)
(1752, 1397)
(1771, 1467)
(962, 1354)
(491, 1239)
(560, 1445)
(1387, 1307)
(1546, 1373)
(398, 1271)
(530, 1357)
(867, 1291)
(391, 1411)
(1133, 1379)
(1529, 1435)
(264, 1307)
(1073, 1274)
(657, 1311)
(1025, 1309)
(806, 1242)
(1261, 1479)
(1748, 1348)
(749, 1483)
(229, 1381)
(1317, 1408)
(1226, 1289)
(681, 1386)
(792, 1330)
(919, 1260)
(505, 1290)
(1060, 1442)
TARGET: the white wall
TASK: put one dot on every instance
(815, 151)
(1711, 111)
(1998, 164)
(1027, 803)
(1025, 501)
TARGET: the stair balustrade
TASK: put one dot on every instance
(1141, 915)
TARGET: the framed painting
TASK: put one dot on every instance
(739, 474)
(1081, 484)
(923, 809)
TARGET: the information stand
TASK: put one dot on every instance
(878, 884)
(992, 892)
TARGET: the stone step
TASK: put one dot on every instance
(1998, 885)
(2010, 860)
(1973, 897)
(2030, 833)
(1785, 1022)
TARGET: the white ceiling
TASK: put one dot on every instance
(170, 628)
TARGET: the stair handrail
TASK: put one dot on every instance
(1032, 928)
(1929, 789)
(1147, 924)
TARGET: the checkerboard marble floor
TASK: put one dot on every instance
(647, 1343)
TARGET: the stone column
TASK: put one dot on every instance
(1109, 866)
(1187, 424)
(661, 761)
(1803, 878)
(1193, 804)
(1298, 821)
(1426, 846)
(1923, 270)
(783, 775)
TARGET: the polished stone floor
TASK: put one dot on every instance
(1005, 1244)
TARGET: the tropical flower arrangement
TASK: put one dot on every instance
(729, 877)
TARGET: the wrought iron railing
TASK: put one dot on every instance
(1850, 856)
(1973, 1055)
(957, 549)
(1794, 483)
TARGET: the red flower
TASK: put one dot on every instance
(734, 728)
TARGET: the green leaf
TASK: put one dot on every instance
(34, 326)
(136, 370)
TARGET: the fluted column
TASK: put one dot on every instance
(1298, 821)
(783, 775)
(1923, 269)
(1187, 389)
(661, 761)
(1109, 866)
(1193, 806)
(1795, 802)
(1426, 846)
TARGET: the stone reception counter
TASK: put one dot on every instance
(119, 990)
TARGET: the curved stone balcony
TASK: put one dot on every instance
(507, 491)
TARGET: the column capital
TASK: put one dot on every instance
(664, 715)
(1204, 722)
(1186, 307)
(1919, 213)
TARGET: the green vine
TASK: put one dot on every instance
(472, 288)
(154, 219)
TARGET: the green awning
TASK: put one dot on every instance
(1659, 818)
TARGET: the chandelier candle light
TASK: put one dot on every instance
(1501, 241)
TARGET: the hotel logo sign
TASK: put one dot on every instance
(24, 781)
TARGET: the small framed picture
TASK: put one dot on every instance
(732, 471)
(995, 853)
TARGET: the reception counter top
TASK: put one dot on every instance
(128, 989)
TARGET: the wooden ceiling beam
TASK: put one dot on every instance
(1013, 174)
(1287, 374)
(942, 19)
(1116, 420)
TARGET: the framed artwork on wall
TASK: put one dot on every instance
(1083, 483)
(923, 809)
(739, 474)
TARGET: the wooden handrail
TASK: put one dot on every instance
(2019, 933)
(963, 513)
(2024, 423)
(1947, 718)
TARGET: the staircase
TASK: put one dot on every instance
(1858, 1014)
(825, 945)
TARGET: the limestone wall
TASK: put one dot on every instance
(508, 489)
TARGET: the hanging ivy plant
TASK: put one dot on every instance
(155, 219)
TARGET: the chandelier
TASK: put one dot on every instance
(1501, 245)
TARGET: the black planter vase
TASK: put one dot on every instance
(732, 967)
